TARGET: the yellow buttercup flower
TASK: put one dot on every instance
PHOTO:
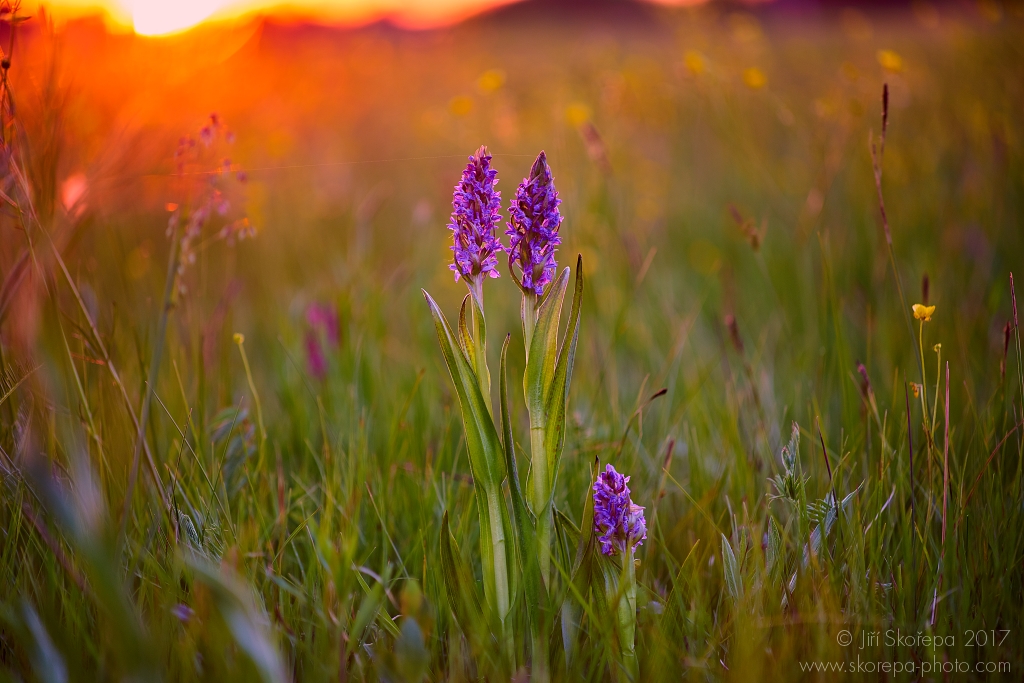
(694, 62)
(890, 61)
(490, 80)
(922, 312)
(754, 78)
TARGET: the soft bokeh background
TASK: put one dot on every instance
(713, 164)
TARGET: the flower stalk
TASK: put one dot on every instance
(515, 549)
(621, 528)
(533, 232)
(475, 214)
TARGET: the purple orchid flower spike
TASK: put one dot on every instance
(618, 520)
(534, 228)
(476, 208)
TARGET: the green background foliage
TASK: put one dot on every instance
(733, 255)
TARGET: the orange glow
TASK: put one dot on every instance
(162, 17)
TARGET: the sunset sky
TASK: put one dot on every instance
(158, 17)
(154, 17)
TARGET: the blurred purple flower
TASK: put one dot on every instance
(324, 318)
(315, 356)
(323, 324)
(534, 227)
(617, 519)
(182, 612)
(476, 208)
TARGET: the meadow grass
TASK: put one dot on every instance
(745, 354)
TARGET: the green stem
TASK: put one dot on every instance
(539, 672)
(529, 316)
(924, 380)
(483, 373)
(935, 402)
(620, 589)
(495, 500)
(498, 569)
(541, 496)
(240, 340)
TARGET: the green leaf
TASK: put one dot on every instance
(465, 338)
(459, 584)
(383, 618)
(619, 602)
(485, 452)
(534, 591)
(558, 392)
(487, 462)
(525, 522)
(569, 535)
(368, 609)
(540, 365)
(730, 568)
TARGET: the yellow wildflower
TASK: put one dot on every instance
(890, 61)
(460, 105)
(917, 389)
(577, 113)
(239, 338)
(922, 312)
(694, 62)
(490, 80)
(754, 78)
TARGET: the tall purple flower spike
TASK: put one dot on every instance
(476, 212)
(617, 519)
(534, 227)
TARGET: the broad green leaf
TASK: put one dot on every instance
(619, 597)
(487, 462)
(558, 392)
(534, 591)
(480, 352)
(525, 523)
(731, 570)
(486, 457)
(571, 535)
(465, 338)
(524, 518)
(543, 348)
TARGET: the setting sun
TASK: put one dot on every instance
(160, 17)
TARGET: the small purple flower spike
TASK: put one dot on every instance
(534, 227)
(476, 208)
(323, 317)
(617, 519)
(315, 356)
